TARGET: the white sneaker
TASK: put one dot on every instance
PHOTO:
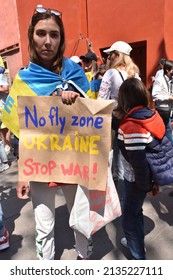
(124, 242)
(7, 149)
(4, 166)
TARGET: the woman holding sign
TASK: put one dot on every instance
(47, 73)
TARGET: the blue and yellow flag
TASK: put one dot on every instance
(94, 86)
(36, 80)
(2, 67)
(1, 62)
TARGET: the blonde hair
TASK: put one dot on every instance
(125, 62)
(94, 68)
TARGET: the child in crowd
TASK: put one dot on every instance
(138, 128)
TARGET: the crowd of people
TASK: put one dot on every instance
(134, 127)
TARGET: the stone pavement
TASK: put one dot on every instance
(19, 220)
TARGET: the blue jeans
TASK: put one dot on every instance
(169, 131)
(3, 156)
(168, 126)
(132, 219)
(2, 226)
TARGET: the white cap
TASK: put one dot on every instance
(120, 46)
(75, 58)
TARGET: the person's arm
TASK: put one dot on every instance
(90, 46)
(159, 91)
(105, 87)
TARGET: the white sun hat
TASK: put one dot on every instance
(75, 58)
(119, 46)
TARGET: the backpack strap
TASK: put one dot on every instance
(121, 75)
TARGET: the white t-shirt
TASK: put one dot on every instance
(158, 73)
(110, 85)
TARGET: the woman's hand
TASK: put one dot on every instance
(68, 97)
(23, 190)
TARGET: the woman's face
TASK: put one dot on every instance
(169, 73)
(113, 56)
(87, 64)
(46, 39)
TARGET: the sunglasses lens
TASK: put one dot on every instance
(44, 10)
(40, 10)
(55, 13)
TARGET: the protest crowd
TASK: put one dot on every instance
(87, 126)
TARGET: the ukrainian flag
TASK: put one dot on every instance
(36, 80)
(2, 67)
(94, 88)
(1, 62)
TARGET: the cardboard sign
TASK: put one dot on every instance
(65, 144)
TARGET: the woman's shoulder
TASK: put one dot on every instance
(114, 73)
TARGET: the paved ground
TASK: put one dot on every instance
(20, 222)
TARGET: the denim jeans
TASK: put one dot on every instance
(169, 131)
(3, 156)
(132, 219)
(2, 226)
(168, 126)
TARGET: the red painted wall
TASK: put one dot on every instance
(9, 25)
(9, 35)
(103, 23)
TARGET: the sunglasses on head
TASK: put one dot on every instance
(113, 52)
(42, 10)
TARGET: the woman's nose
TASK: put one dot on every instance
(48, 40)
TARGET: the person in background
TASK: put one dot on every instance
(89, 62)
(138, 128)
(76, 59)
(120, 67)
(4, 235)
(161, 63)
(102, 68)
(5, 132)
(90, 66)
(46, 49)
(3, 158)
(101, 71)
(162, 94)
